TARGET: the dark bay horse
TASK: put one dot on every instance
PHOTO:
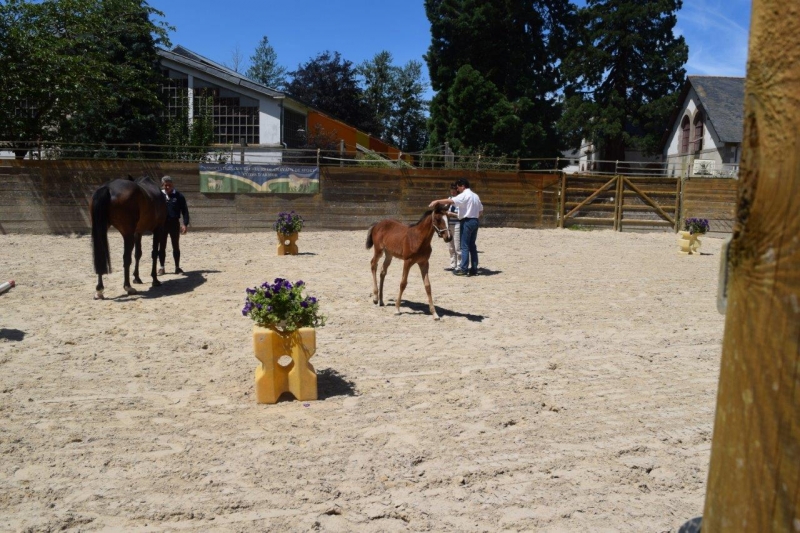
(133, 207)
(412, 244)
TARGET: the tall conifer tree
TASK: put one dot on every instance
(624, 75)
(264, 67)
(494, 67)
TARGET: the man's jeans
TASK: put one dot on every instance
(469, 251)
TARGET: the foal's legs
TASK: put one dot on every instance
(137, 254)
(407, 264)
(374, 264)
(423, 267)
(128, 241)
(387, 260)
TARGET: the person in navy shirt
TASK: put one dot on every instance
(175, 227)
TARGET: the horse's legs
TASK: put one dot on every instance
(403, 282)
(159, 243)
(128, 241)
(98, 295)
(374, 264)
(423, 268)
(137, 254)
(387, 260)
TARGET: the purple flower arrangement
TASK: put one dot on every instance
(282, 306)
(696, 226)
(288, 223)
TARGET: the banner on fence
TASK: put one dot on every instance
(228, 178)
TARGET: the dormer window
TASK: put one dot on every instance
(685, 131)
(698, 132)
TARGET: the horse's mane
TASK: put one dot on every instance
(425, 214)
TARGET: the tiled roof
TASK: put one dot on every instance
(722, 98)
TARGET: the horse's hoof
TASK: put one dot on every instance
(138, 280)
(436, 317)
(99, 296)
(398, 313)
(130, 290)
(156, 283)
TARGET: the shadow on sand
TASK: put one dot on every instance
(422, 308)
(170, 285)
(15, 335)
(330, 384)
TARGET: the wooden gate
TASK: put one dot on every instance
(630, 202)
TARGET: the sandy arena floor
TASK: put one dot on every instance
(569, 387)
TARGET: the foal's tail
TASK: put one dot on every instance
(369, 237)
(101, 202)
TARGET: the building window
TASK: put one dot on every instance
(685, 135)
(232, 121)
(698, 133)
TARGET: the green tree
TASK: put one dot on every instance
(328, 83)
(395, 95)
(623, 76)
(497, 60)
(407, 128)
(264, 67)
(380, 89)
(80, 71)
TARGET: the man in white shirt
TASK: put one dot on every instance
(470, 209)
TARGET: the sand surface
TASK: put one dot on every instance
(569, 387)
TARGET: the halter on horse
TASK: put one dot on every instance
(412, 244)
(133, 208)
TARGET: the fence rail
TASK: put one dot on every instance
(355, 156)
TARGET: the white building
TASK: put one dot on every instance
(704, 137)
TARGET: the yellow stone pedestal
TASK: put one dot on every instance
(688, 243)
(287, 244)
(297, 377)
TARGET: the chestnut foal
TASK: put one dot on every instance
(412, 244)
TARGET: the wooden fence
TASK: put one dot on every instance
(641, 203)
(53, 197)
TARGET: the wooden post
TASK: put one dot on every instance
(318, 150)
(563, 199)
(678, 216)
(754, 475)
(341, 152)
(620, 190)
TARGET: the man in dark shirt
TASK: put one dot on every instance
(176, 207)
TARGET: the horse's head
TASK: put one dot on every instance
(440, 222)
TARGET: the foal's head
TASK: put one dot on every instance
(440, 223)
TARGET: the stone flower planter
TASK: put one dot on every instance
(688, 243)
(287, 243)
(277, 374)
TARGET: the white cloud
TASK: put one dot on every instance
(717, 36)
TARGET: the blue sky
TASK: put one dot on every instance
(716, 30)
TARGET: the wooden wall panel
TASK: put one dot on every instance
(53, 197)
(714, 199)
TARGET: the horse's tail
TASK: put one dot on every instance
(101, 203)
(369, 236)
